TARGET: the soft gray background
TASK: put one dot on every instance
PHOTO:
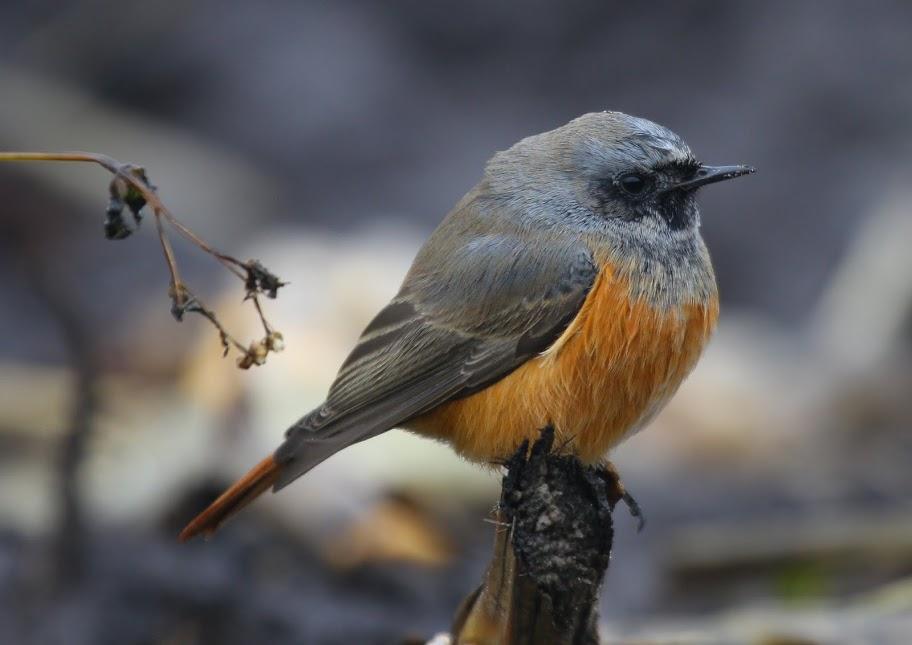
(346, 130)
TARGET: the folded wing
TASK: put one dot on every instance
(463, 319)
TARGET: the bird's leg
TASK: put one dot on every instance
(618, 492)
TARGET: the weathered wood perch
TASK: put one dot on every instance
(551, 553)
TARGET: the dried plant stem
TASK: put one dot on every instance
(193, 304)
(267, 328)
(137, 192)
(124, 172)
(175, 286)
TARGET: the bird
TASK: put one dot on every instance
(570, 288)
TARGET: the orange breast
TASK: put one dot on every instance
(615, 366)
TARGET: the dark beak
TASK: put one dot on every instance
(712, 174)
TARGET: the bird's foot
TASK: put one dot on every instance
(619, 493)
(636, 512)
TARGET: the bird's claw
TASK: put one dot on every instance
(619, 493)
(634, 509)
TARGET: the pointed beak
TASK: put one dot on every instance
(712, 174)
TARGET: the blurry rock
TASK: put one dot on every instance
(865, 313)
(891, 598)
(395, 530)
(34, 398)
(33, 413)
(832, 624)
(146, 441)
(860, 540)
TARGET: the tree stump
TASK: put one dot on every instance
(551, 553)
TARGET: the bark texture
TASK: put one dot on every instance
(551, 553)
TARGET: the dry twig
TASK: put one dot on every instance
(130, 189)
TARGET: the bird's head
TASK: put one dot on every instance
(609, 166)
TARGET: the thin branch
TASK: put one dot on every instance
(267, 328)
(175, 290)
(193, 305)
(130, 187)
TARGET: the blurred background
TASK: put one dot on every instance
(328, 139)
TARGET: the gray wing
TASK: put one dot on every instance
(461, 321)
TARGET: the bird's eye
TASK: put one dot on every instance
(633, 183)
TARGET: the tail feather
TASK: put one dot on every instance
(256, 482)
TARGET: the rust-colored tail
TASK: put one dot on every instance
(256, 482)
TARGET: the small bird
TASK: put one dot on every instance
(570, 287)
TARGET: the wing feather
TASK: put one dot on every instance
(447, 334)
